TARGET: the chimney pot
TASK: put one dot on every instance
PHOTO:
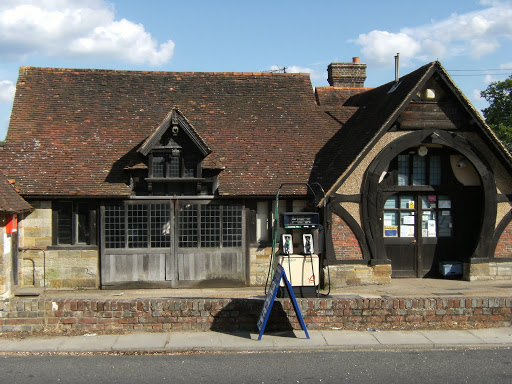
(355, 60)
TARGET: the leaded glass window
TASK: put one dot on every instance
(413, 169)
(210, 226)
(73, 224)
(141, 225)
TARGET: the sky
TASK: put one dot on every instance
(471, 38)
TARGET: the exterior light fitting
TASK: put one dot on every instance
(422, 151)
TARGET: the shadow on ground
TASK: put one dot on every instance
(241, 316)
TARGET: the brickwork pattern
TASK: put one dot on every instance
(504, 247)
(346, 245)
(86, 315)
(346, 74)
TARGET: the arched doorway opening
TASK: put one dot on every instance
(427, 202)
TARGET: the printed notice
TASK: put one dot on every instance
(390, 231)
(431, 228)
(407, 231)
(408, 220)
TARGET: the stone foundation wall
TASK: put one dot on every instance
(356, 274)
(41, 266)
(86, 315)
(258, 267)
(488, 271)
(59, 268)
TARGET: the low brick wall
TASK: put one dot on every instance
(101, 316)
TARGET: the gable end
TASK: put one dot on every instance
(174, 121)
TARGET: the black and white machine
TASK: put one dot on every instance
(301, 266)
(298, 244)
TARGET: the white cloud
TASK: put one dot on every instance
(73, 28)
(475, 96)
(7, 90)
(382, 46)
(314, 74)
(473, 34)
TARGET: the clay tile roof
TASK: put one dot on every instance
(10, 200)
(75, 131)
(364, 113)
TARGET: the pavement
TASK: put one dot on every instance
(215, 342)
(397, 288)
(334, 339)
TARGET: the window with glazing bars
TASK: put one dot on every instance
(187, 226)
(160, 226)
(114, 226)
(435, 170)
(176, 164)
(232, 226)
(138, 226)
(419, 170)
(210, 226)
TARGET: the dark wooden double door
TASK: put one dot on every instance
(419, 232)
(172, 243)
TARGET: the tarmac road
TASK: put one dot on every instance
(423, 366)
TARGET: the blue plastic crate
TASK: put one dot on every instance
(450, 268)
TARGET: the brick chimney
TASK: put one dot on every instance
(351, 75)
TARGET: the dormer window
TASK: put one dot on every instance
(174, 153)
(174, 164)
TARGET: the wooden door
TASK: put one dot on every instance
(210, 243)
(418, 233)
(136, 243)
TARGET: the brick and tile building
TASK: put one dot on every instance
(163, 179)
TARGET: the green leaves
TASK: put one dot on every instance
(499, 113)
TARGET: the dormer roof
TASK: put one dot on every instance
(173, 123)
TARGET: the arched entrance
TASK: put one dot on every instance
(427, 198)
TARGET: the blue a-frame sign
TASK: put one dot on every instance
(269, 301)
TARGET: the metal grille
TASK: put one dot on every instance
(114, 226)
(210, 226)
(137, 226)
(187, 226)
(160, 226)
(232, 226)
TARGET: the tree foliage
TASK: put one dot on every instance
(499, 113)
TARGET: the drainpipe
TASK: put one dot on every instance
(43, 249)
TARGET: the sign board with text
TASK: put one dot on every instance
(279, 275)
